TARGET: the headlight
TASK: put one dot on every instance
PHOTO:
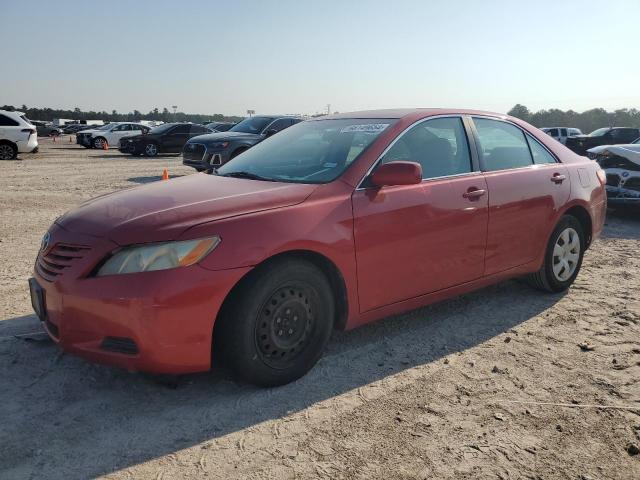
(218, 145)
(158, 256)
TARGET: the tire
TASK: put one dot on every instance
(98, 143)
(151, 150)
(562, 258)
(277, 323)
(8, 151)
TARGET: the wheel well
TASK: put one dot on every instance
(9, 142)
(323, 263)
(581, 214)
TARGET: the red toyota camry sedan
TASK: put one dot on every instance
(333, 223)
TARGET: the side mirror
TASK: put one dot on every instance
(397, 173)
(270, 132)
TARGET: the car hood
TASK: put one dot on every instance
(222, 136)
(631, 147)
(163, 210)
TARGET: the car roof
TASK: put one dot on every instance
(406, 112)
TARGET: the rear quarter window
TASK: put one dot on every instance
(7, 121)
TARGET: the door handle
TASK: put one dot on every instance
(558, 178)
(473, 193)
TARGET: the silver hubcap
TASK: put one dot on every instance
(6, 152)
(566, 254)
(151, 149)
(99, 143)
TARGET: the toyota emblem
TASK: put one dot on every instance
(45, 242)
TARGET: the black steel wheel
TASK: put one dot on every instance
(276, 324)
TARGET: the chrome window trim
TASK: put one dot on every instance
(401, 134)
(524, 132)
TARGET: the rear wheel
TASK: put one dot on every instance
(563, 257)
(8, 151)
(151, 150)
(277, 323)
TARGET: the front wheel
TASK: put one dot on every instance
(563, 257)
(99, 143)
(277, 323)
(151, 150)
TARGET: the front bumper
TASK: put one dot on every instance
(201, 158)
(620, 195)
(167, 316)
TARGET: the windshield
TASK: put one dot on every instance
(252, 124)
(309, 152)
(636, 141)
(161, 129)
(599, 132)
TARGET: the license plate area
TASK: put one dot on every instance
(38, 299)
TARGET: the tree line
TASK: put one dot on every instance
(587, 121)
(48, 114)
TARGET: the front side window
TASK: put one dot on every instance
(553, 132)
(563, 132)
(438, 145)
(181, 129)
(502, 145)
(538, 152)
(317, 151)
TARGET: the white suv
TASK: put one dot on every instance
(17, 135)
(110, 133)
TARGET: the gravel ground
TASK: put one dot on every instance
(494, 384)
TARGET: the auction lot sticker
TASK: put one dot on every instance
(365, 127)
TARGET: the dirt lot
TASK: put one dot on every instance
(490, 385)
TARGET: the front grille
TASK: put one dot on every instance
(58, 259)
(193, 152)
(613, 179)
(632, 184)
(119, 345)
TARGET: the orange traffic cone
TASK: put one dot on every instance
(105, 145)
(165, 174)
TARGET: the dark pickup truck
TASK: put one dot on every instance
(602, 136)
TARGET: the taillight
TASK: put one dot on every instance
(602, 176)
(31, 131)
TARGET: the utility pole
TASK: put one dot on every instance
(328, 109)
(175, 107)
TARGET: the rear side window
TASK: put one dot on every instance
(553, 132)
(539, 153)
(439, 146)
(180, 129)
(7, 122)
(502, 145)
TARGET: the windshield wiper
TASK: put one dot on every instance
(247, 175)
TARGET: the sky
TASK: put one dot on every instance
(297, 56)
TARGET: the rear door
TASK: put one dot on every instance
(416, 239)
(527, 186)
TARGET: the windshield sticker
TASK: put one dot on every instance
(365, 127)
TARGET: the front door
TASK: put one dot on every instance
(415, 239)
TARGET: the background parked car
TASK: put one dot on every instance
(621, 164)
(17, 135)
(76, 127)
(45, 129)
(602, 136)
(219, 126)
(167, 138)
(218, 148)
(111, 134)
(562, 133)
